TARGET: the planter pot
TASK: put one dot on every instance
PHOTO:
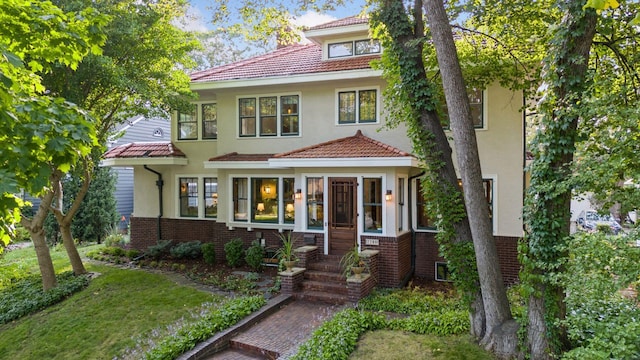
(289, 264)
(357, 271)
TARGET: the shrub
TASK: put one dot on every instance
(113, 251)
(114, 239)
(132, 253)
(187, 250)
(21, 234)
(209, 253)
(255, 255)
(233, 252)
(218, 319)
(159, 250)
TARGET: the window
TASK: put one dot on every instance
(357, 47)
(209, 121)
(358, 106)
(400, 198)
(476, 104)
(315, 203)
(188, 125)
(290, 124)
(288, 200)
(277, 116)
(211, 197)
(424, 221)
(240, 199)
(247, 117)
(189, 197)
(442, 272)
(264, 200)
(372, 201)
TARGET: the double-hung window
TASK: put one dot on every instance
(188, 125)
(358, 106)
(477, 109)
(315, 203)
(272, 115)
(210, 197)
(209, 121)
(189, 197)
(372, 201)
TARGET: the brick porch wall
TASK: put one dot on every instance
(427, 255)
(394, 258)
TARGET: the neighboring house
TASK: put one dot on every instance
(296, 140)
(136, 129)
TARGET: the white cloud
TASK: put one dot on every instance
(312, 18)
(192, 21)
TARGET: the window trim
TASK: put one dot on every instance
(380, 205)
(188, 196)
(202, 121)
(194, 120)
(250, 220)
(357, 110)
(258, 117)
(354, 53)
(215, 196)
(198, 120)
(483, 113)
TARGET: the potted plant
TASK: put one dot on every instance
(285, 252)
(352, 262)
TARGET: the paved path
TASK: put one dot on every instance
(284, 331)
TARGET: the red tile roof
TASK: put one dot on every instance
(234, 156)
(357, 146)
(352, 20)
(148, 149)
(294, 59)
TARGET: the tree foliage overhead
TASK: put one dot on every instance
(40, 133)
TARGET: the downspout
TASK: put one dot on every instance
(159, 184)
(406, 279)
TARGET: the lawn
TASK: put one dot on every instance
(119, 309)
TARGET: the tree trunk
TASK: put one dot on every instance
(431, 142)
(35, 226)
(496, 304)
(548, 210)
(64, 220)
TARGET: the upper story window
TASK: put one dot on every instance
(188, 125)
(477, 109)
(358, 106)
(267, 116)
(202, 120)
(354, 47)
(210, 121)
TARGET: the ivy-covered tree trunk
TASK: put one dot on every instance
(64, 220)
(432, 147)
(547, 210)
(35, 225)
(501, 331)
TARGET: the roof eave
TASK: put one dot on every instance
(288, 79)
(236, 165)
(318, 35)
(406, 161)
(139, 161)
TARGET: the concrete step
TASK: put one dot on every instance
(326, 287)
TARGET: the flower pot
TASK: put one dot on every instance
(357, 271)
(289, 264)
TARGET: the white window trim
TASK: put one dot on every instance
(200, 128)
(357, 90)
(278, 115)
(201, 206)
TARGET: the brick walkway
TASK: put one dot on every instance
(281, 332)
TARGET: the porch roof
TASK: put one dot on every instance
(145, 153)
(352, 151)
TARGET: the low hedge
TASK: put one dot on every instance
(220, 318)
(27, 296)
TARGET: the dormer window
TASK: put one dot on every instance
(354, 47)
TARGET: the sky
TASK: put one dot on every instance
(199, 15)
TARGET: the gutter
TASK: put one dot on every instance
(412, 271)
(159, 184)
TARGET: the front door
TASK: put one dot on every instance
(342, 215)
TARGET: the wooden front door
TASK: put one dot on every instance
(342, 215)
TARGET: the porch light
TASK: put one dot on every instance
(299, 194)
(388, 196)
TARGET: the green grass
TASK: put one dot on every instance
(100, 322)
(391, 345)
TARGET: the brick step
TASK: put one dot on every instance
(336, 299)
(326, 287)
(253, 350)
(318, 275)
(326, 266)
